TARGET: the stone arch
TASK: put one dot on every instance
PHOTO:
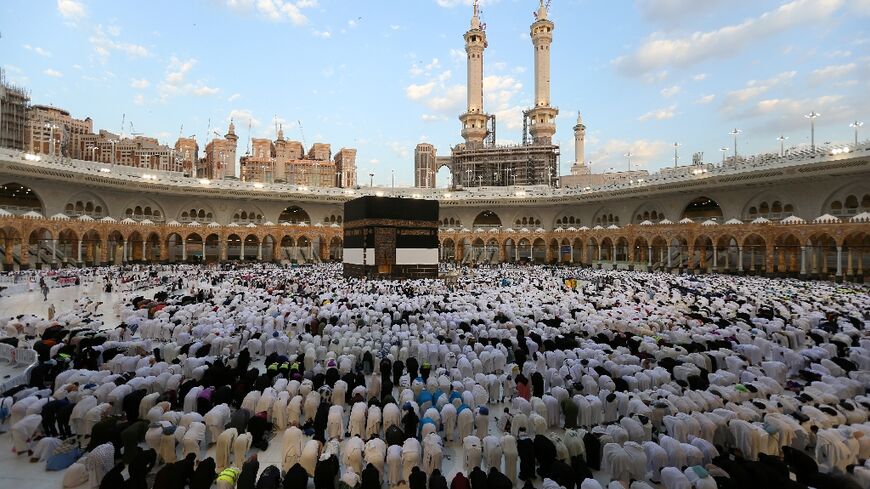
(787, 254)
(577, 250)
(249, 214)
(823, 255)
(196, 212)
(647, 212)
(642, 252)
(115, 246)
(39, 250)
(847, 201)
(211, 251)
(142, 208)
(727, 253)
(701, 209)
(770, 206)
(486, 219)
(68, 245)
(234, 247)
(856, 247)
(605, 217)
(294, 214)
(173, 242)
(19, 199)
(660, 252)
(135, 246)
(524, 248)
(539, 250)
(86, 204)
(251, 247)
(304, 245)
(336, 249)
(702, 253)
(194, 248)
(448, 250)
(755, 253)
(527, 218)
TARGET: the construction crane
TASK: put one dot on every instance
(302, 132)
(121, 132)
(133, 130)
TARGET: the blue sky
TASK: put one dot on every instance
(383, 75)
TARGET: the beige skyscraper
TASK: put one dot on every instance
(542, 117)
(474, 119)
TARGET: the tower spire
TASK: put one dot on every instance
(543, 115)
(474, 119)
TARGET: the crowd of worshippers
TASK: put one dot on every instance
(627, 379)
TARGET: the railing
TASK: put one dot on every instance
(733, 166)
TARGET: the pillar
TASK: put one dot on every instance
(54, 251)
(669, 256)
(260, 251)
(690, 257)
(572, 253)
(739, 258)
(222, 250)
(815, 256)
(144, 248)
(79, 252)
(849, 261)
(839, 261)
(164, 250)
(649, 252)
(516, 252)
(803, 261)
(126, 247)
(715, 258)
(8, 250)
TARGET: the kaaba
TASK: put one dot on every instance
(390, 238)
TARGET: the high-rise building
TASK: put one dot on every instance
(220, 156)
(479, 161)
(425, 165)
(14, 101)
(51, 130)
(187, 152)
(345, 167)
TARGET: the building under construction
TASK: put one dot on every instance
(14, 105)
(479, 161)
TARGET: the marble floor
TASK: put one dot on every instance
(17, 472)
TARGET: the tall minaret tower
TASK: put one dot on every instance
(579, 166)
(474, 119)
(542, 116)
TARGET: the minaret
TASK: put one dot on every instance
(474, 119)
(230, 153)
(542, 116)
(579, 146)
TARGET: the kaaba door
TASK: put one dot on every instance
(385, 249)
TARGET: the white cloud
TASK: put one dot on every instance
(139, 99)
(662, 114)
(351, 23)
(275, 10)
(672, 12)
(655, 77)
(418, 92)
(38, 50)
(395, 27)
(706, 99)
(658, 52)
(670, 91)
(755, 88)
(53, 73)
(448, 100)
(321, 34)
(114, 30)
(699, 77)
(611, 153)
(432, 117)
(233, 97)
(139, 83)
(71, 9)
(453, 3)
(205, 90)
(832, 72)
(103, 46)
(242, 117)
(457, 55)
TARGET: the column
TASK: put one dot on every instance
(242, 249)
(669, 256)
(516, 252)
(54, 251)
(613, 254)
(183, 249)
(803, 260)
(126, 247)
(8, 250)
(752, 259)
(839, 261)
(260, 251)
(739, 258)
(715, 258)
(815, 257)
(572, 253)
(222, 250)
(79, 253)
(144, 248)
(649, 252)
(849, 261)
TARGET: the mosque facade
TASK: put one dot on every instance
(805, 217)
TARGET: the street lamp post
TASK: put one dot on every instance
(676, 156)
(781, 140)
(734, 133)
(467, 176)
(371, 179)
(480, 180)
(856, 125)
(393, 178)
(723, 150)
(812, 117)
(629, 155)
